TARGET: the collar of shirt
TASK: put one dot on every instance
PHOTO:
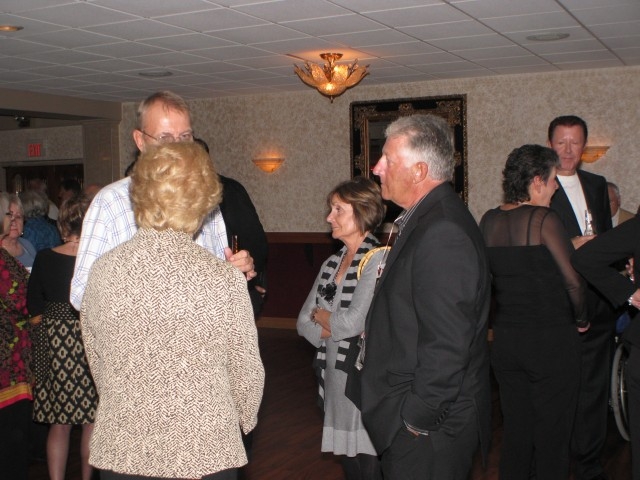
(405, 215)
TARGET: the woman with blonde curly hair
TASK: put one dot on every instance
(170, 335)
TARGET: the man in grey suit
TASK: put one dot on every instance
(425, 379)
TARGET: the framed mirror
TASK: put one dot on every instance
(370, 119)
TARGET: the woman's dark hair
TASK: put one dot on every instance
(71, 215)
(523, 165)
(364, 197)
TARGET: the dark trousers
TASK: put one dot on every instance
(590, 429)
(15, 421)
(441, 455)
(633, 402)
(538, 373)
(231, 474)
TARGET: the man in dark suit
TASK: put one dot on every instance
(425, 380)
(580, 191)
(242, 222)
(594, 262)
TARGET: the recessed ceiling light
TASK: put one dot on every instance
(547, 37)
(10, 28)
(155, 74)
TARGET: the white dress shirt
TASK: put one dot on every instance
(110, 222)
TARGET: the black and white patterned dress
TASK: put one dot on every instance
(64, 392)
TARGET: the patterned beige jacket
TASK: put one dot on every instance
(172, 345)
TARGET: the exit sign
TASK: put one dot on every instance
(34, 149)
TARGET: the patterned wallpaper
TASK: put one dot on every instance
(503, 112)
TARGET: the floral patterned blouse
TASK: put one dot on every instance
(15, 345)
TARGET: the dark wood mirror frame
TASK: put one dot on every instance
(369, 120)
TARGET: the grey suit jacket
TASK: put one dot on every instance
(427, 357)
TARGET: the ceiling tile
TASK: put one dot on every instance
(63, 57)
(77, 15)
(534, 21)
(212, 20)
(260, 34)
(424, 15)
(399, 49)
(463, 28)
(375, 37)
(124, 49)
(231, 53)
(138, 29)
(335, 25)
(506, 52)
(608, 14)
(504, 8)
(291, 10)
(363, 6)
(71, 38)
(477, 41)
(154, 8)
(190, 41)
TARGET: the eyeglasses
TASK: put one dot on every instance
(15, 216)
(168, 138)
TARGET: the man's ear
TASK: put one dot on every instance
(138, 137)
(420, 170)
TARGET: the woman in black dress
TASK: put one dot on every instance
(539, 303)
(64, 394)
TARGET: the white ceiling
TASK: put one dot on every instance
(95, 49)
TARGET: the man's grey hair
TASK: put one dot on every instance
(429, 139)
(34, 203)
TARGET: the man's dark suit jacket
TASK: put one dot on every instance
(241, 219)
(593, 261)
(426, 359)
(597, 197)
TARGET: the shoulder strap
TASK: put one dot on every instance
(365, 259)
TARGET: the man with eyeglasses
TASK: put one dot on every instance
(161, 118)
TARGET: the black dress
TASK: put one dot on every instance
(535, 353)
(64, 392)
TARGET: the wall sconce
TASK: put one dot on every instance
(591, 154)
(268, 165)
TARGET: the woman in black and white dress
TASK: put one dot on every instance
(333, 317)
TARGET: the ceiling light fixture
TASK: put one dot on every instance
(547, 37)
(10, 28)
(330, 79)
(155, 74)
